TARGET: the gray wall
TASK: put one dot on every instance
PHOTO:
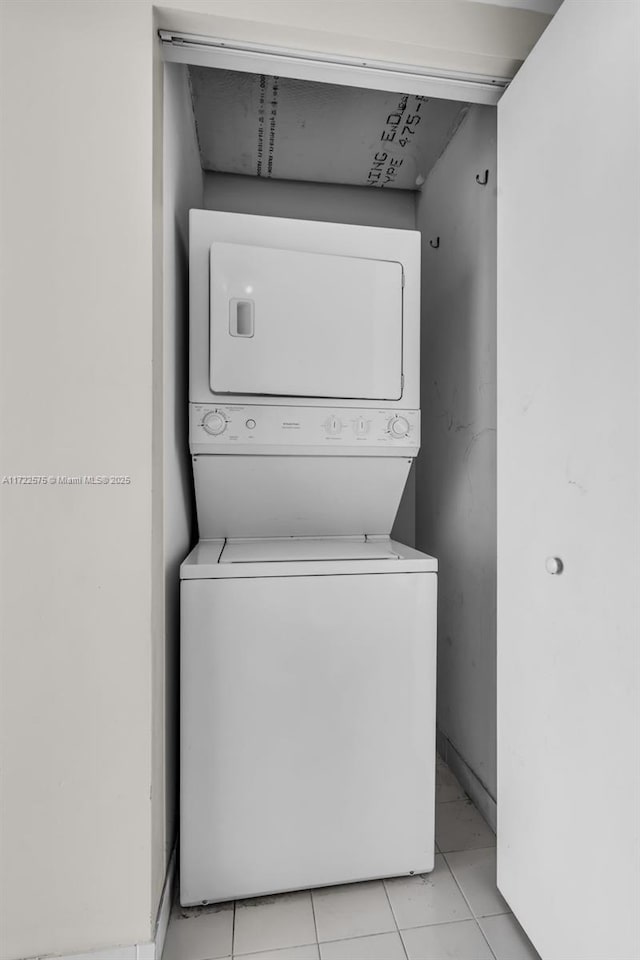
(182, 188)
(456, 469)
(310, 201)
(328, 202)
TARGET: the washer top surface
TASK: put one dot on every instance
(302, 556)
(306, 549)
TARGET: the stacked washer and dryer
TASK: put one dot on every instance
(308, 636)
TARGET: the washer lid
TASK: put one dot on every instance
(306, 548)
(302, 557)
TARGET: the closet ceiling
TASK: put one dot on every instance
(299, 130)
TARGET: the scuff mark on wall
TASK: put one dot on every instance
(574, 483)
(474, 439)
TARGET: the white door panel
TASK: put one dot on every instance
(291, 323)
(568, 487)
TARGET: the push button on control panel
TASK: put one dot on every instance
(250, 424)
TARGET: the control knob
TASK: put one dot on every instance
(214, 423)
(398, 427)
(333, 425)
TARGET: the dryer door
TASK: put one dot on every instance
(288, 323)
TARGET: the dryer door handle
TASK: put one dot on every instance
(241, 317)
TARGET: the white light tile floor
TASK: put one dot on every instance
(200, 934)
(429, 898)
(381, 946)
(447, 787)
(454, 913)
(475, 874)
(270, 923)
(309, 951)
(354, 910)
(447, 941)
(507, 939)
(459, 826)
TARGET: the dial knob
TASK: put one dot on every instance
(333, 425)
(214, 423)
(398, 426)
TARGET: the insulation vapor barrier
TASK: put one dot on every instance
(299, 130)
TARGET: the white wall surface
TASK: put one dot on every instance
(444, 34)
(456, 471)
(76, 314)
(542, 6)
(182, 190)
(83, 652)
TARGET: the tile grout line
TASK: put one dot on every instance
(315, 923)
(441, 923)
(384, 884)
(475, 916)
(295, 946)
(471, 910)
(233, 930)
(399, 930)
(485, 938)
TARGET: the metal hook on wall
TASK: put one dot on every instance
(436, 244)
(479, 179)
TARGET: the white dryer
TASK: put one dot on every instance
(304, 344)
(307, 635)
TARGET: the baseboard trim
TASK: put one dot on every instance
(470, 783)
(152, 950)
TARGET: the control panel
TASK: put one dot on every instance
(229, 427)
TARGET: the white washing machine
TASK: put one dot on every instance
(308, 698)
(308, 636)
